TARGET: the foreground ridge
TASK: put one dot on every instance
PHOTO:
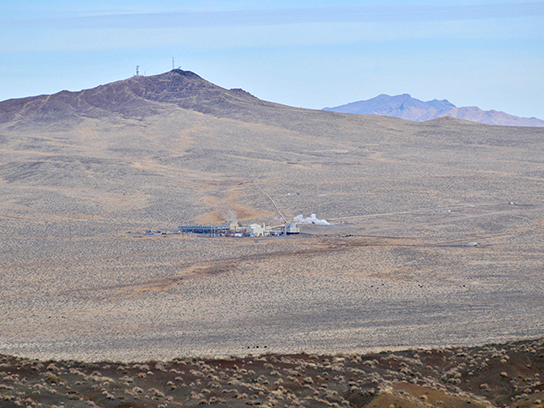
(505, 375)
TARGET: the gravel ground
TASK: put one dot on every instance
(161, 297)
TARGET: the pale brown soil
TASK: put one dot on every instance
(75, 284)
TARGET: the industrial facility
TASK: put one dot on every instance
(234, 229)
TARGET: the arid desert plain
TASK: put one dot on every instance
(436, 235)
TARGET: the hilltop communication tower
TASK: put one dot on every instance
(137, 70)
(172, 62)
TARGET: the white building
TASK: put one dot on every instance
(255, 230)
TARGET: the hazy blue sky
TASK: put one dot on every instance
(299, 52)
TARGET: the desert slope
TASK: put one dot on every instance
(495, 375)
(80, 170)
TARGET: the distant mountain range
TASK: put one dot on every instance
(405, 107)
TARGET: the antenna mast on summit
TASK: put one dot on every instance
(137, 70)
(172, 62)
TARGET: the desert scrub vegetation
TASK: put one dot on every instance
(505, 375)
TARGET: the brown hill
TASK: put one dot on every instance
(141, 96)
(132, 97)
(450, 120)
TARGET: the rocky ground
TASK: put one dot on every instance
(496, 375)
